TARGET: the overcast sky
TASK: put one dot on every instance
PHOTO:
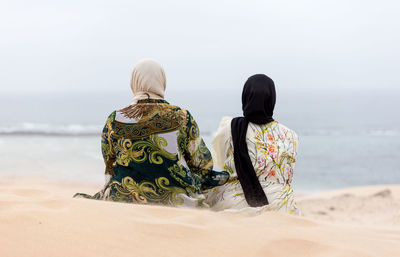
(87, 45)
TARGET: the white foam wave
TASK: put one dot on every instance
(50, 129)
(28, 128)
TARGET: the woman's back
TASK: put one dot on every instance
(258, 152)
(159, 158)
(272, 150)
(153, 151)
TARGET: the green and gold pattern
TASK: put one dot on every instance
(149, 149)
(157, 124)
(141, 168)
(106, 145)
(159, 192)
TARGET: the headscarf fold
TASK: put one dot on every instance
(148, 80)
(258, 102)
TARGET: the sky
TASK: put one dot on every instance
(92, 45)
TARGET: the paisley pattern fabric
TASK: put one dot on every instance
(159, 158)
(272, 150)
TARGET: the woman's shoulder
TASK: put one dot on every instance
(285, 130)
(224, 128)
(183, 115)
(112, 116)
(225, 123)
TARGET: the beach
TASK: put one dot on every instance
(39, 217)
(77, 86)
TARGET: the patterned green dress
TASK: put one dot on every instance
(158, 158)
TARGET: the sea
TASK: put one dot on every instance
(348, 137)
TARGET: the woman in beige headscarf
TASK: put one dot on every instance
(153, 151)
(148, 81)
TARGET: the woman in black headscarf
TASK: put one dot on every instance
(258, 152)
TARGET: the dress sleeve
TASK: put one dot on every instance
(107, 148)
(221, 142)
(198, 156)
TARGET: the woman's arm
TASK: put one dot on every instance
(198, 156)
(107, 148)
(222, 142)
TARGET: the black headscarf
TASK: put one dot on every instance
(258, 102)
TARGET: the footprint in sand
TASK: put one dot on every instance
(384, 193)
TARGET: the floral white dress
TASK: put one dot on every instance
(273, 150)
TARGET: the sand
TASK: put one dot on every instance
(38, 217)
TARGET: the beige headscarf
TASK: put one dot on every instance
(148, 80)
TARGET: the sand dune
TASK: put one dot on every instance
(39, 218)
(366, 206)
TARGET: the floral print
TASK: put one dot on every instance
(273, 150)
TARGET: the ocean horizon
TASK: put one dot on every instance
(345, 139)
